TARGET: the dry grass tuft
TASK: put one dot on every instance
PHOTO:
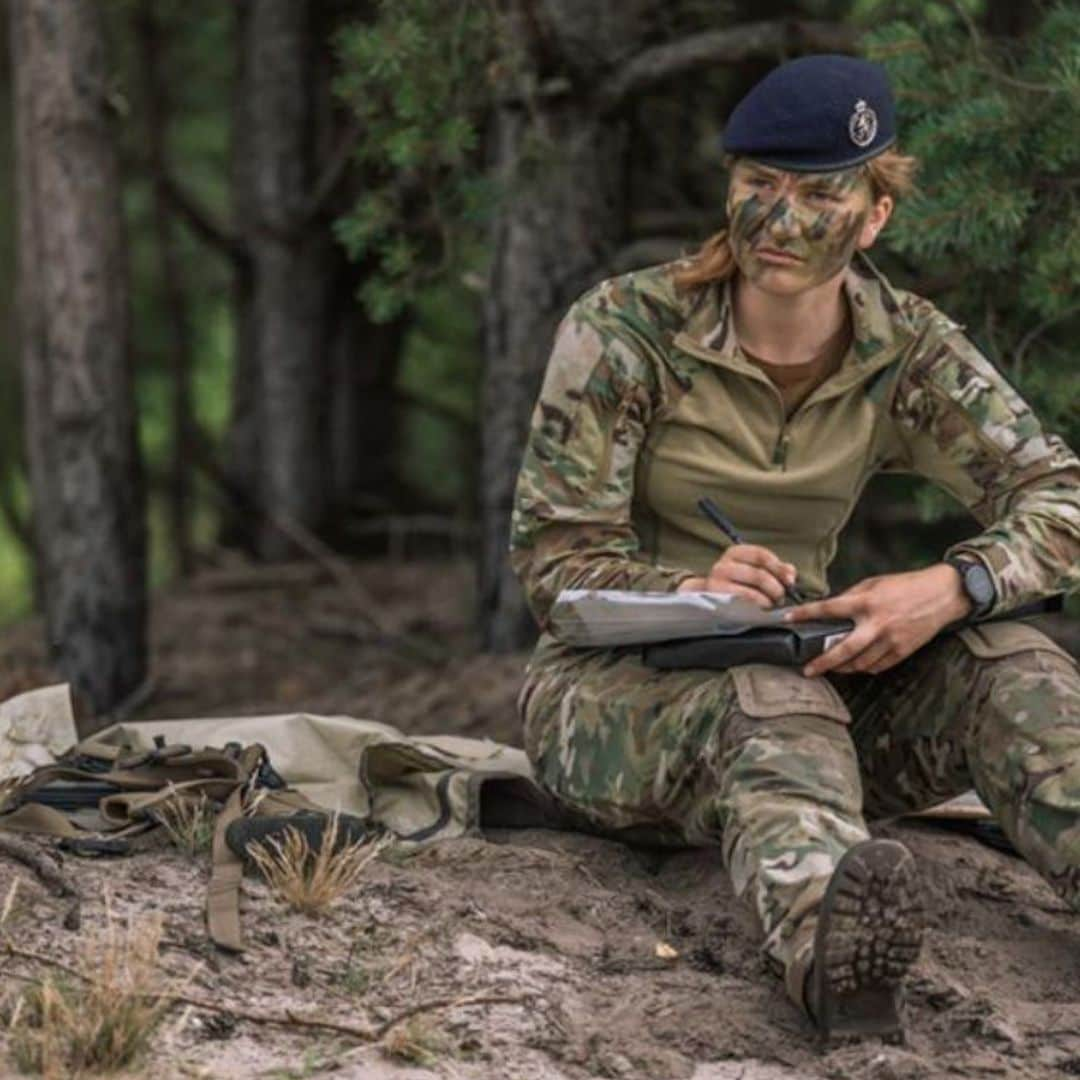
(21, 901)
(189, 821)
(9, 905)
(311, 881)
(99, 1019)
(417, 1042)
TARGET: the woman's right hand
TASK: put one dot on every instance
(747, 570)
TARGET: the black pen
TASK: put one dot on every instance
(716, 516)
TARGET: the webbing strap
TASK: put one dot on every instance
(35, 818)
(144, 783)
(223, 892)
(208, 765)
(128, 806)
(47, 821)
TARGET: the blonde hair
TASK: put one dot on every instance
(890, 173)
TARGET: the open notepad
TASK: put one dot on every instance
(599, 617)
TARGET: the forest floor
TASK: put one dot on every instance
(556, 933)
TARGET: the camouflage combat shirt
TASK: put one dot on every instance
(649, 404)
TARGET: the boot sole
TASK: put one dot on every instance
(869, 932)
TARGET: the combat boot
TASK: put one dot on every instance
(868, 935)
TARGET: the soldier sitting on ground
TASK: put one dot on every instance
(776, 370)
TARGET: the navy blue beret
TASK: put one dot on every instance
(815, 114)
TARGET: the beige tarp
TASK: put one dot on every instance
(35, 728)
(421, 787)
(424, 787)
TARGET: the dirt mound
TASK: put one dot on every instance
(581, 957)
(592, 960)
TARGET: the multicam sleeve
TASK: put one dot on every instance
(571, 525)
(969, 431)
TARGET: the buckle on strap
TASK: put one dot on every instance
(95, 847)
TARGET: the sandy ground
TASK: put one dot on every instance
(558, 933)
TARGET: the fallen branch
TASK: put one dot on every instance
(322, 554)
(38, 958)
(49, 875)
(435, 1004)
(288, 1019)
(362, 600)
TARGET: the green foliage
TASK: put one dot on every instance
(416, 78)
(997, 214)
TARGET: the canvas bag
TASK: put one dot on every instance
(422, 789)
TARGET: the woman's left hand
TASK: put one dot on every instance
(894, 615)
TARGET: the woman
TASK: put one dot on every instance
(776, 371)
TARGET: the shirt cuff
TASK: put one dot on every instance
(995, 558)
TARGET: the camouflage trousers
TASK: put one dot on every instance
(779, 770)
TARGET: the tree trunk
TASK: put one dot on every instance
(551, 242)
(559, 147)
(158, 121)
(363, 410)
(291, 262)
(562, 214)
(241, 450)
(84, 462)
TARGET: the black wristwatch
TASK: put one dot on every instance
(977, 583)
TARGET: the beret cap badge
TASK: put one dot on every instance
(816, 113)
(862, 125)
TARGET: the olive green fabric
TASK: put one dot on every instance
(648, 404)
(780, 771)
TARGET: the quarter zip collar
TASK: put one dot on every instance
(881, 331)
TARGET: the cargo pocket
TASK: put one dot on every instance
(768, 690)
(992, 641)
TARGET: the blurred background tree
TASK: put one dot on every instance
(353, 224)
(989, 100)
(993, 232)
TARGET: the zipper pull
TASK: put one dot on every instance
(780, 451)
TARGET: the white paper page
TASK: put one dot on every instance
(602, 617)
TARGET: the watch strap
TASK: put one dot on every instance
(963, 566)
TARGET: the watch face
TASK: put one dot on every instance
(979, 584)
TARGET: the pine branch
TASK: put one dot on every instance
(334, 172)
(200, 221)
(1036, 332)
(761, 39)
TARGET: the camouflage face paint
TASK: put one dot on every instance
(801, 227)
